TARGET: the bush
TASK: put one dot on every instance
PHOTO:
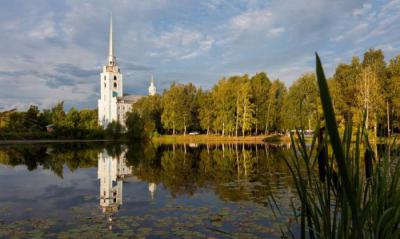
(136, 126)
(113, 130)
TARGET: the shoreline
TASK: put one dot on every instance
(180, 139)
(167, 139)
(158, 139)
(43, 141)
(215, 139)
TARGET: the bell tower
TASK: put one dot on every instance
(111, 86)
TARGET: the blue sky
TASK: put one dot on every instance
(54, 50)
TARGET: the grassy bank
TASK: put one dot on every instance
(277, 139)
(204, 139)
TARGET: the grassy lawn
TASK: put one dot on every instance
(202, 138)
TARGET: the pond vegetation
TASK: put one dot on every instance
(346, 190)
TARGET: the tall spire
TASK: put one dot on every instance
(111, 57)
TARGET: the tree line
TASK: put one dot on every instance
(50, 123)
(253, 105)
(238, 106)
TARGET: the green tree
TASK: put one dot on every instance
(135, 126)
(58, 114)
(45, 118)
(276, 96)
(260, 85)
(301, 103)
(246, 108)
(150, 109)
(72, 118)
(224, 96)
(206, 110)
(88, 119)
(373, 86)
(179, 104)
(31, 122)
(393, 75)
(113, 130)
(347, 81)
(16, 122)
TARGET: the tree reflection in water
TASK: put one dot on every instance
(233, 172)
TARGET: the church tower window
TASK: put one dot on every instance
(115, 77)
(115, 84)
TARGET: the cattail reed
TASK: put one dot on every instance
(322, 160)
(368, 163)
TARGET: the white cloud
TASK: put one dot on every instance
(274, 32)
(362, 11)
(353, 33)
(387, 48)
(180, 43)
(252, 20)
(206, 38)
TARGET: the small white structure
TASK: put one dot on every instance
(113, 104)
(152, 87)
(152, 190)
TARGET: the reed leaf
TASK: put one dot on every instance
(336, 200)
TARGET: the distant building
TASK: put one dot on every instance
(50, 128)
(152, 87)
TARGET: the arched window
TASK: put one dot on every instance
(115, 85)
(105, 85)
(115, 77)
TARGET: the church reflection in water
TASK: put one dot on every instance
(112, 171)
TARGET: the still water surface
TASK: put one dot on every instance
(144, 191)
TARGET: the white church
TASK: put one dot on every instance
(113, 103)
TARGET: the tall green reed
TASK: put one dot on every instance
(338, 197)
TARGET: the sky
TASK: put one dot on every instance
(53, 51)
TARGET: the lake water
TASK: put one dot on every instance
(144, 191)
